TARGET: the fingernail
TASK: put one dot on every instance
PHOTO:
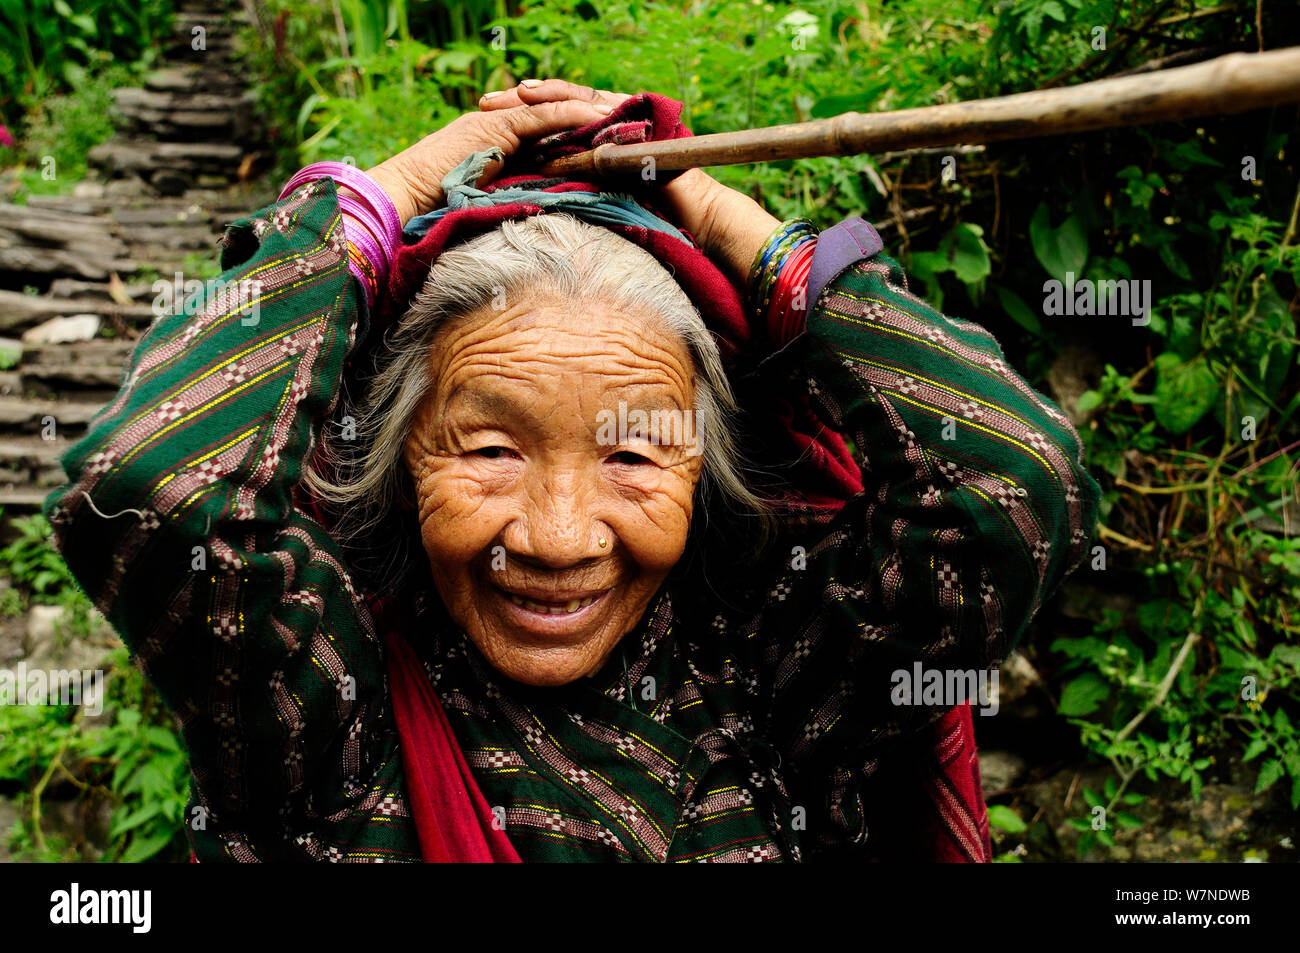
(530, 83)
(495, 92)
(605, 109)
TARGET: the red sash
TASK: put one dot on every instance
(453, 819)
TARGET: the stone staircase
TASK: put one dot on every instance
(183, 164)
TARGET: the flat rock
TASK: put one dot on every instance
(999, 770)
(78, 327)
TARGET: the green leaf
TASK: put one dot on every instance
(1256, 748)
(1174, 261)
(1060, 250)
(1054, 10)
(1005, 819)
(967, 255)
(1023, 315)
(835, 105)
(454, 61)
(1132, 798)
(1084, 695)
(1092, 798)
(1269, 773)
(134, 819)
(1128, 820)
(1188, 153)
(142, 848)
(1089, 400)
(1185, 391)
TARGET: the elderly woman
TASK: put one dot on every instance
(524, 538)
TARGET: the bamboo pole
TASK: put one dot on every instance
(1234, 83)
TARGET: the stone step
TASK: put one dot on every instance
(46, 241)
(219, 43)
(223, 205)
(98, 291)
(27, 414)
(201, 116)
(25, 259)
(141, 155)
(94, 364)
(191, 78)
(133, 98)
(32, 461)
(20, 311)
(55, 228)
(22, 497)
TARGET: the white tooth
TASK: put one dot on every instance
(573, 606)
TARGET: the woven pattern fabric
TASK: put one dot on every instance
(759, 727)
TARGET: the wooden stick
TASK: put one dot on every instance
(1234, 83)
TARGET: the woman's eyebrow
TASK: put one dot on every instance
(484, 403)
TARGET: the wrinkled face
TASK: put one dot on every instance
(520, 468)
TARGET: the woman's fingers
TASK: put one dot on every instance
(541, 119)
(549, 90)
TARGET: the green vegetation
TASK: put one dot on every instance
(59, 61)
(128, 765)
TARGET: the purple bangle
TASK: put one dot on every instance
(360, 223)
(370, 192)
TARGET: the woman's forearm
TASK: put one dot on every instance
(179, 521)
(982, 501)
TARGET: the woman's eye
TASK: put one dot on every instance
(628, 458)
(490, 453)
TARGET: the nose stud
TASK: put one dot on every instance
(603, 542)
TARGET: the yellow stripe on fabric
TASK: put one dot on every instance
(658, 751)
(921, 405)
(206, 374)
(860, 359)
(209, 405)
(207, 456)
(1029, 451)
(643, 809)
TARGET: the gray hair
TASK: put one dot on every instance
(555, 254)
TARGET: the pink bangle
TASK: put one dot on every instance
(382, 219)
(371, 224)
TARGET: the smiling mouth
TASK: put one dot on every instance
(552, 608)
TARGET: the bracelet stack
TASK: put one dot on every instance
(778, 280)
(370, 222)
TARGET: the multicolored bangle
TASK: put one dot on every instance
(788, 312)
(370, 221)
(779, 271)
